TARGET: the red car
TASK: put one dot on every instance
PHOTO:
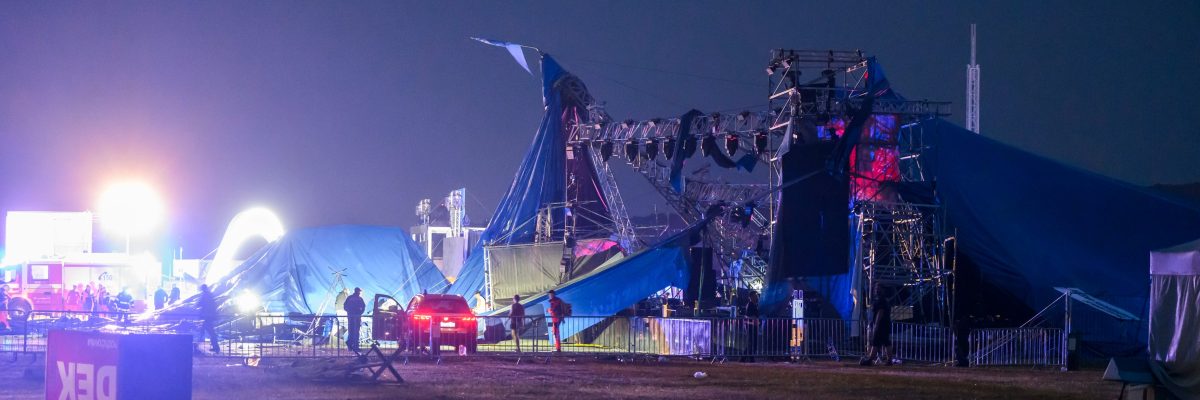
(449, 314)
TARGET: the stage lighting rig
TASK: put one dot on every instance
(761, 142)
(669, 148)
(631, 149)
(606, 150)
(731, 143)
(689, 147)
(651, 147)
(709, 144)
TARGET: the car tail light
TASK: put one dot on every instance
(418, 316)
(468, 318)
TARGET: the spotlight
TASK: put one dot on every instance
(731, 143)
(669, 148)
(651, 150)
(689, 147)
(247, 302)
(761, 142)
(709, 144)
(631, 149)
(606, 150)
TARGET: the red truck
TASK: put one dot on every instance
(45, 285)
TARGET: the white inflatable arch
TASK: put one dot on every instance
(255, 222)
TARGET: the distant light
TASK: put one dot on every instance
(255, 222)
(247, 302)
(130, 208)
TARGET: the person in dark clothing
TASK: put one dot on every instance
(208, 315)
(123, 303)
(881, 328)
(557, 312)
(516, 317)
(160, 298)
(89, 300)
(175, 295)
(4, 307)
(752, 323)
(355, 306)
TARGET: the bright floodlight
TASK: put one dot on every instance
(130, 208)
(255, 222)
(247, 302)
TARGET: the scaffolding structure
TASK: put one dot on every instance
(902, 246)
(898, 243)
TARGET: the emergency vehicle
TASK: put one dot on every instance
(43, 284)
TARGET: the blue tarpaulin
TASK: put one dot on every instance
(296, 272)
(540, 180)
(619, 285)
(1031, 224)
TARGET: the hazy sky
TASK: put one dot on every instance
(350, 112)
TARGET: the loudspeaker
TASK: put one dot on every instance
(702, 280)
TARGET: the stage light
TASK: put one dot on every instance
(255, 222)
(606, 150)
(247, 302)
(651, 150)
(761, 142)
(669, 148)
(631, 149)
(130, 208)
(731, 143)
(709, 143)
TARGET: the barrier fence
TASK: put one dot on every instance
(277, 335)
(1018, 346)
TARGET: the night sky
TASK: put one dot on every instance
(350, 112)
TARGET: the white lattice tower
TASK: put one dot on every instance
(973, 89)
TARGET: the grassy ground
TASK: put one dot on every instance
(589, 377)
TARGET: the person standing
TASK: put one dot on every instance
(355, 306)
(752, 321)
(124, 304)
(208, 315)
(4, 307)
(74, 299)
(102, 299)
(175, 295)
(881, 328)
(557, 312)
(516, 319)
(89, 300)
(160, 298)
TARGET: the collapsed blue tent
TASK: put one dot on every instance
(620, 285)
(1030, 224)
(296, 273)
(540, 180)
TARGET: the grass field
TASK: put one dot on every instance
(568, 377)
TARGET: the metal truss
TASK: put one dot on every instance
(622, 227)
(902, 245)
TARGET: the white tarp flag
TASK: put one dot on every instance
(516, 50)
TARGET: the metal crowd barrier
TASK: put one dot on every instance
(1018, 346)
(278, 335)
